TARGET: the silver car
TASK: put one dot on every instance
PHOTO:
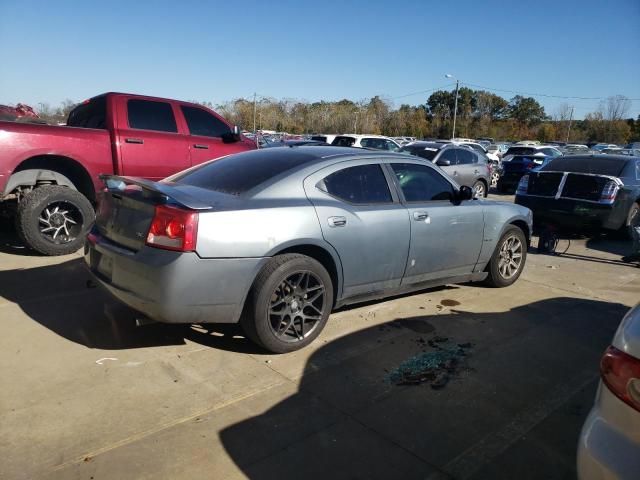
(609, 446)
(277, 238)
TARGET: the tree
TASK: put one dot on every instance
(526, 110)
(615, 107)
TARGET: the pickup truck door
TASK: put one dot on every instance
(148, 139)
(206, 139)
(446, 238)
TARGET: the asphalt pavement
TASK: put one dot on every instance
(86, 394)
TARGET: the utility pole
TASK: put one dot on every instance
(455, 107)
(569, 129)
(254, 113)
(455, 111)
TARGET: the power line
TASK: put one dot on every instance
(423, 91)
(565, 97)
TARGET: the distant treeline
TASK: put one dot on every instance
(480, 114)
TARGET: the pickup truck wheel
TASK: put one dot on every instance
(54, 220)
(507, 261)
(289, 303)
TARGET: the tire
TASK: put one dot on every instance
(54, 220)
(495, 267)
(272, 304)
(480, 189)
(494, 179)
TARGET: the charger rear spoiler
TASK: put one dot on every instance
(169, 193)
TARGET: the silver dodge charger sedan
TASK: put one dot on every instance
(277, 238)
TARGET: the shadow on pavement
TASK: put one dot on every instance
(9, 241)
(613, 244)
(57, 297)
(517, 399)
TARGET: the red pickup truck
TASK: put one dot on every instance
(49, 175)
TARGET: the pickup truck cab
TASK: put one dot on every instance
(49, 175)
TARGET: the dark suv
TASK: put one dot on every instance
(465, 165)
(583, 192)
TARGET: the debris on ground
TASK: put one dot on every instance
(435, 368)
(449, 303)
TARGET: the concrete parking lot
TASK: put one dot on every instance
(87, 394)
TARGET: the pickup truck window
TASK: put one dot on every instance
(201, 122)
(147, 115)
(89, 114)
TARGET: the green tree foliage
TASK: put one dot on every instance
(479, 114)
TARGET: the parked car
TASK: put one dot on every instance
(612, 151)
(295, 143)
(598, 147)
(277, 238)
(498, 149)
(633, 145)
(49, 174)
(323, 138)
(377, 142)
(519, 165)
(583, 192)
(481, 149)
(516, 149)
(404, 140)
(609, 445)
(572, 148)
(466, 166)
(19, 113)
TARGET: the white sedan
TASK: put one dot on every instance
(609, 446)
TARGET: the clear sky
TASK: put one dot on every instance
(220, 50)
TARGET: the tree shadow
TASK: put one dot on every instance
(347, 420)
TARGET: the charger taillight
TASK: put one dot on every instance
(620, 372)
(173, 228)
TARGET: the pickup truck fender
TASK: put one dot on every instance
(29, 178)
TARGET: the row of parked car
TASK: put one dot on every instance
(567, 188)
